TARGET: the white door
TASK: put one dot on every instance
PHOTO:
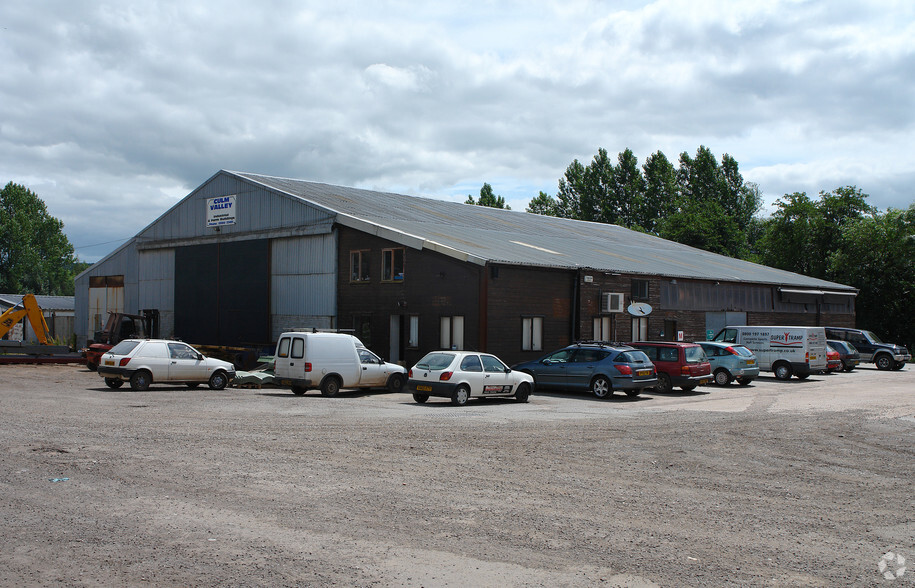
(184, 365)
(472, 372)
(495, 380)
(372, 370)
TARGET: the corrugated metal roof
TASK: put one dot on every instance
(44, 302)
(482, 234)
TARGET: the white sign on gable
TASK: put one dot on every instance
(221, 211)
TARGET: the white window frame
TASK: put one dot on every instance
(532, 333)
(452, 332)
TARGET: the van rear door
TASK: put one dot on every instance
(289, 359)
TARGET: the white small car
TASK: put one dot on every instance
(462, 375)
(159, 361)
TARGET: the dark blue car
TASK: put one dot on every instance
(598, 368)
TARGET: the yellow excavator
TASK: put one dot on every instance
(28, 307)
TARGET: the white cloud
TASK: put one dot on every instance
(111, 112)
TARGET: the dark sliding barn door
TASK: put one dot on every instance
(222, 293)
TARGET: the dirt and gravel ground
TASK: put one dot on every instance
(776, 484)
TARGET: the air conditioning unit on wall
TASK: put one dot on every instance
(611, 302)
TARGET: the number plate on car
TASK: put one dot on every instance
(424, 388)
(703, 382)
(109, 362)
(751, 362)
(643, 372)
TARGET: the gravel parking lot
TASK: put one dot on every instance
(800, 483)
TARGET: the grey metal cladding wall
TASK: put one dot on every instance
(304, 276)
(258, 210)
(123, 262)
(157, 286)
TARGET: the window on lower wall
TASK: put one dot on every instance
(413, 337)
(392, 265)
(359, 266)
(640, 328)
(603, 326)
(532, 333)
(452, 335)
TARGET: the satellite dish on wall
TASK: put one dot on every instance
(639, 309)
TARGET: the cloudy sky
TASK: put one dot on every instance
(112, 112)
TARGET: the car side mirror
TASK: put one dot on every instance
(200, 357)
(508, 370)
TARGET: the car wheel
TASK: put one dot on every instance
(140, 380)
(460, 396)
(192, 384)
(633, 392)
(523, 393)
(601, 387)
(91, 366)
(330, 386)
(219, 380)
(899, 365)
(421, 398)
(664, 386)
(744, 381)
(782, 371)
(884, 362)
(802, 376)
(299, 391)
(395, 383)
(848, 368)
(722, 377)
(114, 382)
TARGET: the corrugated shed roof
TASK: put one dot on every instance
(484, 234)
(44, 302)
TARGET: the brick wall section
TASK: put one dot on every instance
(515, 292)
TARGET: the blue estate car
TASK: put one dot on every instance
(599, 368)
(730, 362)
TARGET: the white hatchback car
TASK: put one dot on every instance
(156, 361)
(461, 375)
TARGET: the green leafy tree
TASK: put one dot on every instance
(543, 204)
(788, 239)
(706, 214)
(35, 255)
(661, 192)
(574, 197)
(876, 254)
(628, 190)
(488, 198)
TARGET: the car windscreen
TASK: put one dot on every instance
(874, 338)
(695, 354)
(435, 361)
(124, 347)
(632, 357)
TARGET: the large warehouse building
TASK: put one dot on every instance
(245, 257)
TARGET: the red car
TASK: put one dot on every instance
(833, 360)
(679, 364)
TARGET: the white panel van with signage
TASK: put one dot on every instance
(786, 351)
(331, 361)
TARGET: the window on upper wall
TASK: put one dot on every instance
(532, 333)
(359, 266)
(392, 265)
(639, 290)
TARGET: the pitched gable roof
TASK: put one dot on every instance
(481, 235)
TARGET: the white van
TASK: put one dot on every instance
(331, 361)
(787, 351)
